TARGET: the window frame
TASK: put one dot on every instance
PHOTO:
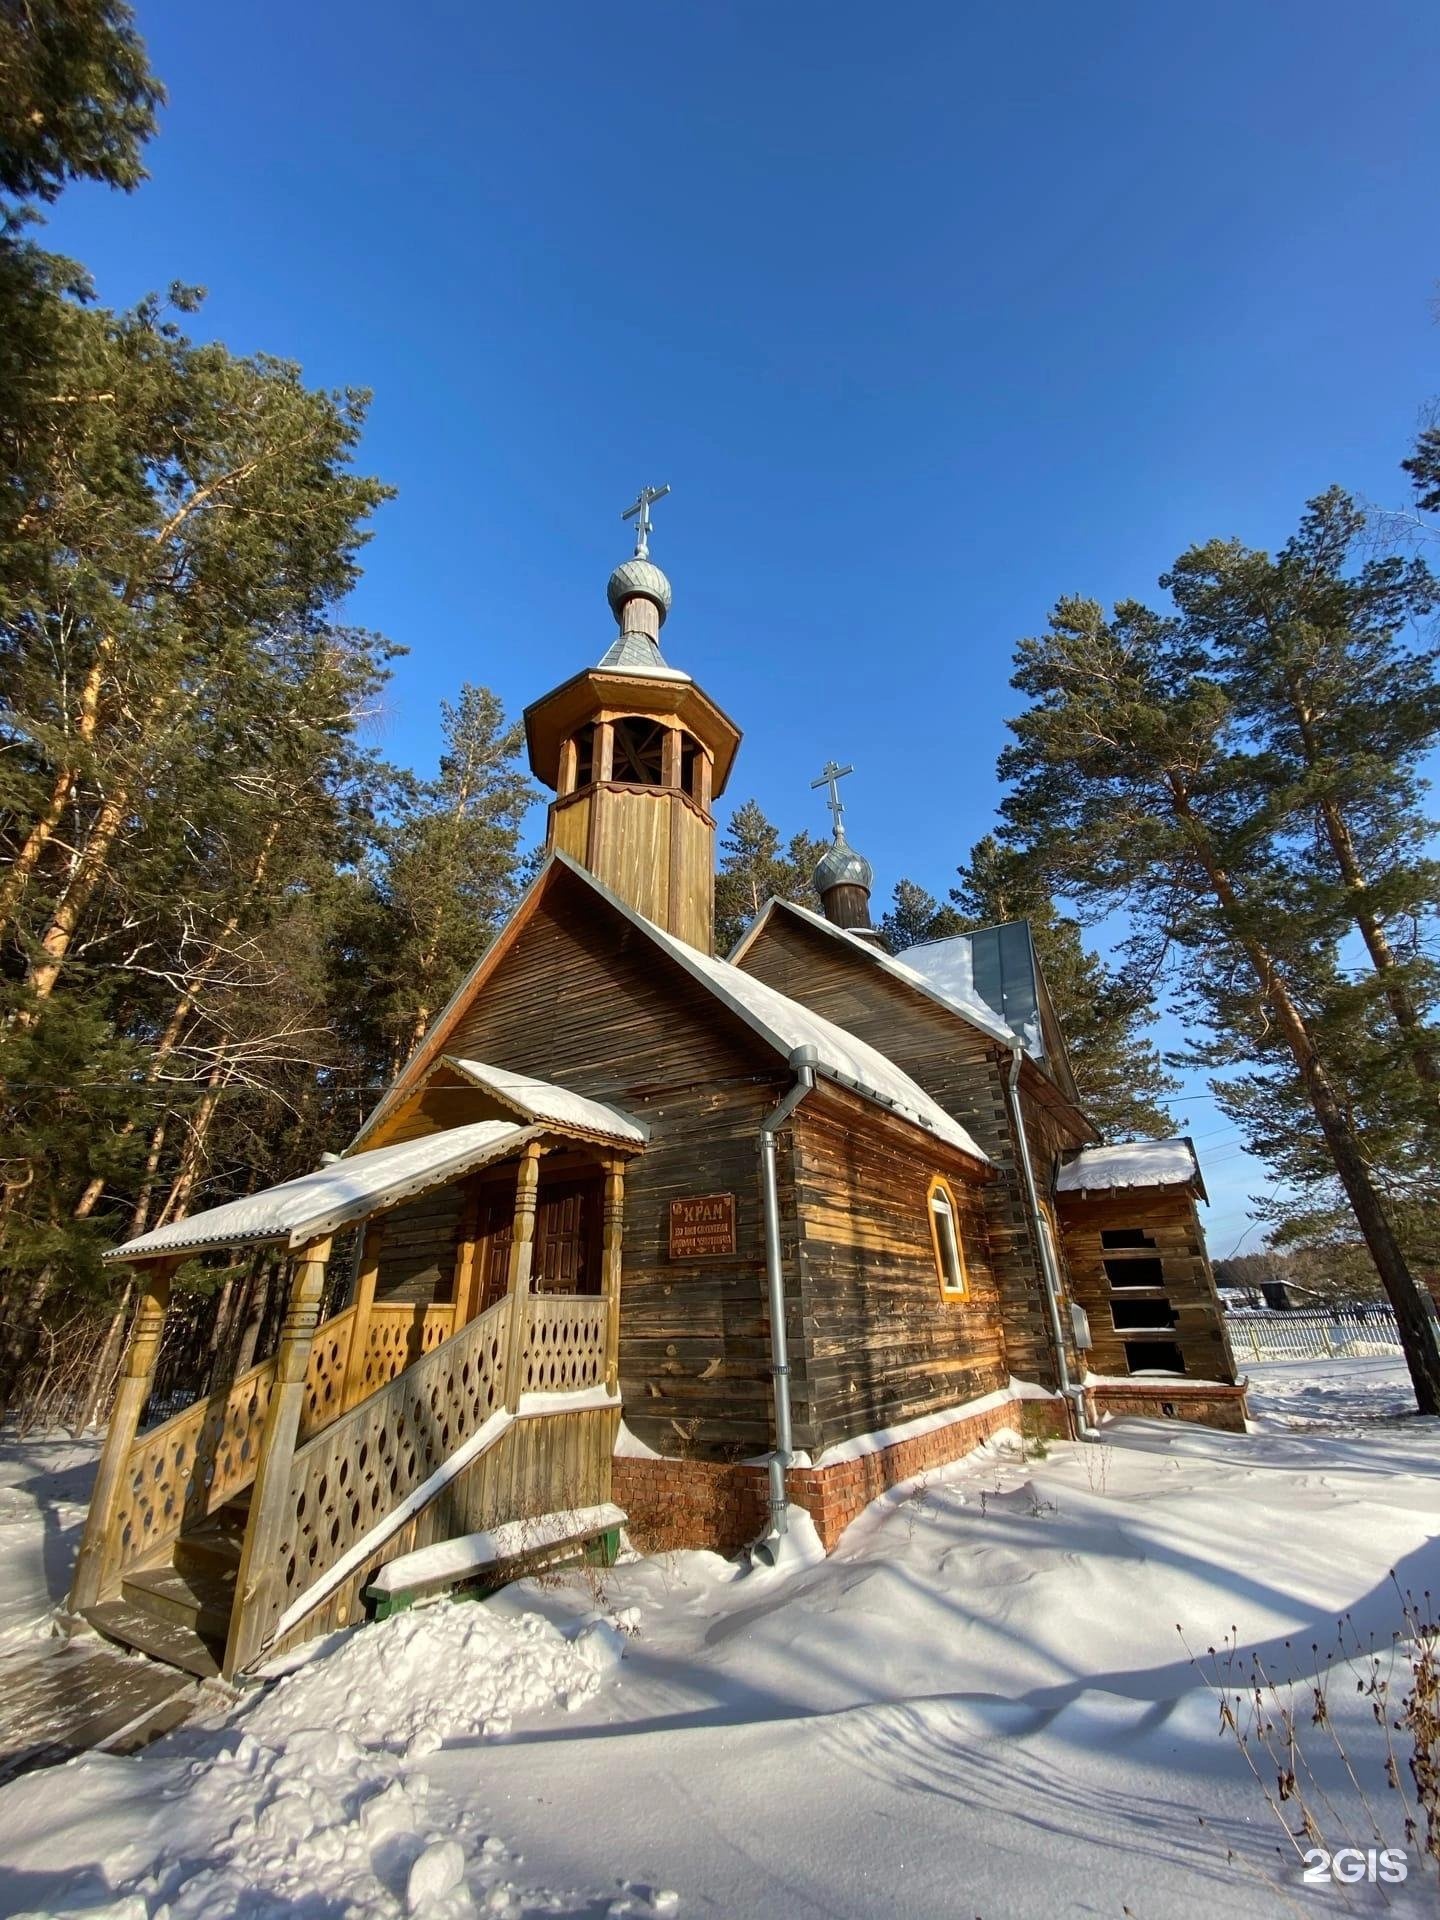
(940, 1187)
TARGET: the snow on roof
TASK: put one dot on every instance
(945, 993)
(335, 1194)
(949, 967)
(543, 1100)
(1137, 1163)
(788, 1026)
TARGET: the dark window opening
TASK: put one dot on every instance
(1129, 1314)
(1154, 1356)
(585, 755)
(1125, 1237)
(639, 753)
(1135, 1273)
(689, 760)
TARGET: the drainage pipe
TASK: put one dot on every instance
(1049, 1277)
(802, 1061)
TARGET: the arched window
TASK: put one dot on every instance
(638, 758)
(945, 1236)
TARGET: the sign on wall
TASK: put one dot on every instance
(702, 1226)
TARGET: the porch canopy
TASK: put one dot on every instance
(345, 1190)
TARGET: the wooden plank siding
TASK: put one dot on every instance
(1168, 1217)
(585, 1000)
(962, 1068)
(877, 1344)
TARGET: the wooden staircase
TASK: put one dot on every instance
(179, 1610)
(193, 1523)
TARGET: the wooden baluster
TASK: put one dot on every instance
(134, 1390)
(522, 1255)
(270, 1500)
(369, 1273)
(610, 1267)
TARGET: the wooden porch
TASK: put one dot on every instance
(253, 1519)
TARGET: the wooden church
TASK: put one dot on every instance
(710, 1239)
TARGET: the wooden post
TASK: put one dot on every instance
(610, 1267)
(270, 1498)
(467, 1259)
(522, 1255)
(130, 1398)
(368, 1274)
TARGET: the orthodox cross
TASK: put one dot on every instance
(831, 774)
(648, 497)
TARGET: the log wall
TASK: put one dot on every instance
(879, 1343)
(1167, 1216)
(961, 1067)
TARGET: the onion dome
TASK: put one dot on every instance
(638, 579)
(841, 866)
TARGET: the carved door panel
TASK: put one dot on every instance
(567, 1239)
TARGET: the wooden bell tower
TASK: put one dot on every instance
(636, 756)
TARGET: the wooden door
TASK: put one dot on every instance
(493, 1235)
(567, 1238)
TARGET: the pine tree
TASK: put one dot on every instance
(77, 97)
(1128, 791)
(1331, 688)
(1118, 1071)
(914, 916)
(754, 868)
(1423, 467)
(448, 869)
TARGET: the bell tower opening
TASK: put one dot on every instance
(636, 755)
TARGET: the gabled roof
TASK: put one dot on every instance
(781, 1023)
(946, 991)
(530, 1099)
(1136, 1163)
(333, 1195)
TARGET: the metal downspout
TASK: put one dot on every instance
(779, 1459)
(1075, 1395)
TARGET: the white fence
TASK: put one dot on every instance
(1312, 1334)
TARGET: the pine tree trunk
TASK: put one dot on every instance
(193, 1156)
(1420, 1045)
(1414, 1312)
(39, 836)
(55, 941)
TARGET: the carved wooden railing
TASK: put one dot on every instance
(183, 1470)
(395, 1337)
(564, 1343)
(347, 1479)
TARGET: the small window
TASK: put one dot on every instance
(1121, 1237)
(945, 1234)
(1154, 1356)
(1129, 1315)
(1135, 1273)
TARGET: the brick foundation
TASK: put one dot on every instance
(702, 1503)
(1214, 1405)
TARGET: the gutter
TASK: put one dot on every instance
(802, 1061)
(1050, 1278)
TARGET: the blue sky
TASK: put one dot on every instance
(929, 315)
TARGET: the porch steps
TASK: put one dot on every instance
(180, 1613)
(200, 1601)
(145, 1632)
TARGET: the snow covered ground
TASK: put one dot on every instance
(979, 1704)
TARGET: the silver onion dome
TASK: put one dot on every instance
(638, 577)
(841, 866)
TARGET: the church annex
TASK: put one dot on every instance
(640, 1226)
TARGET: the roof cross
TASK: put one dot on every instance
(647, 499)
(831, 774)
